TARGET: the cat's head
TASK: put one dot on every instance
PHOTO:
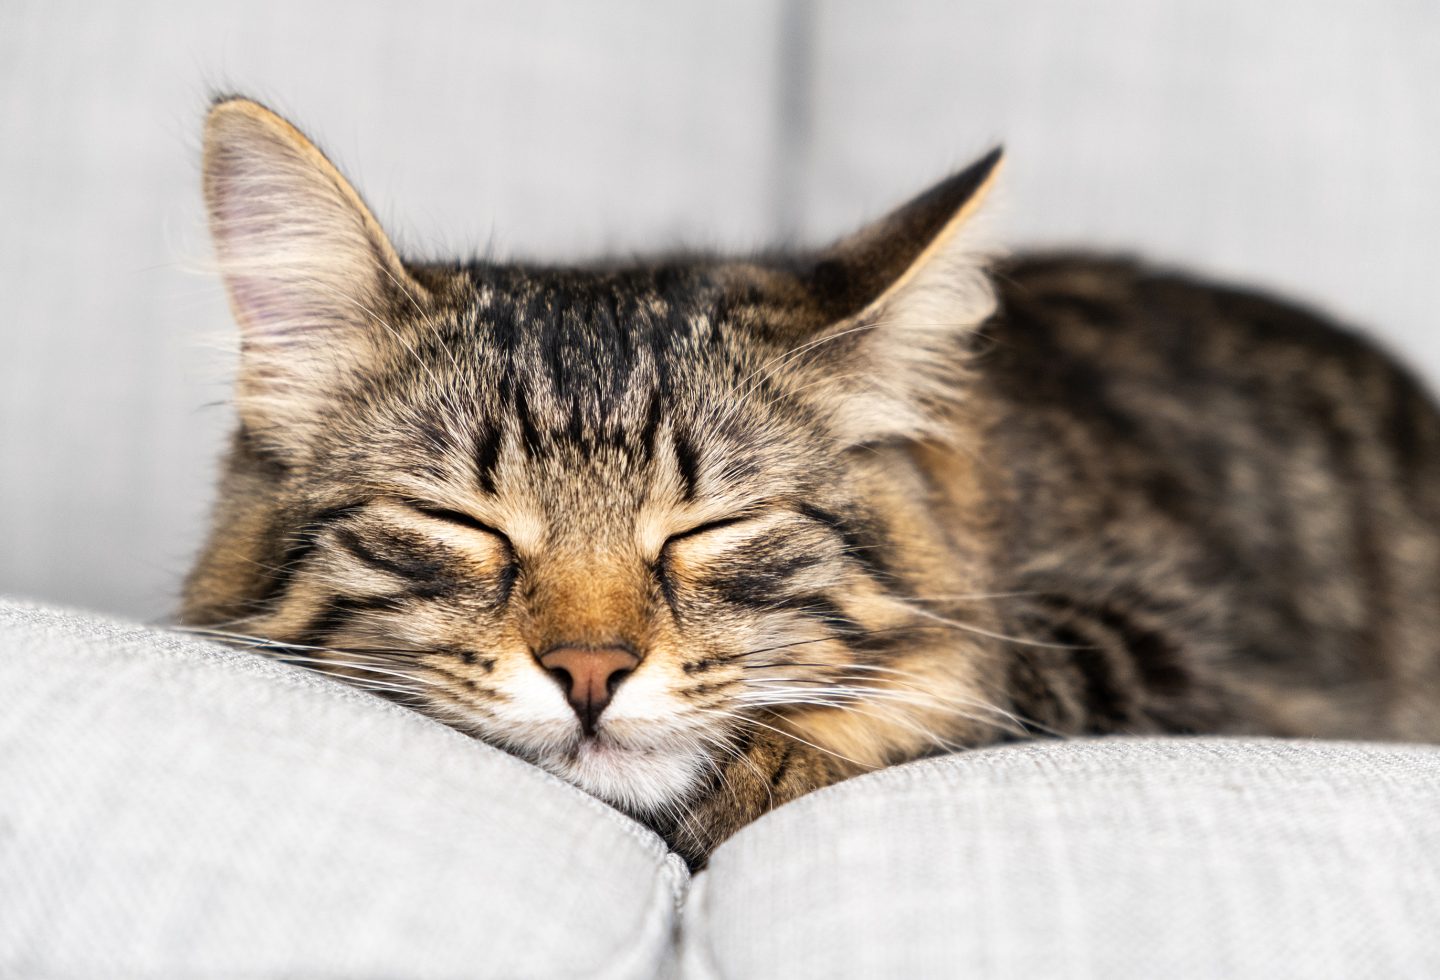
(609, 518)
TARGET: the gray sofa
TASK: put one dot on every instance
(171, 808)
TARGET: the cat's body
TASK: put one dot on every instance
(768, 524)
(1234, 505)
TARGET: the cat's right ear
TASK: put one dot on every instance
(310, 275)
(901, 300)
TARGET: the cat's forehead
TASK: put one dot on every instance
(592, 348)
(584, 392)
(674, 318)
(604, 316)
(596, 357)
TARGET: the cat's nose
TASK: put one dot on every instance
(589, 677)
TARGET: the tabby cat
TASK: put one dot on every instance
(702, 535)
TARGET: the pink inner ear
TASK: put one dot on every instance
(262, 306)
(294, 254)
(303, 263)
(241, 209)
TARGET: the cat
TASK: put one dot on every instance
(702, 535)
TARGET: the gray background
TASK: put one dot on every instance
(1288, 144)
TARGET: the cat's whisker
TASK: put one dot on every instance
(743, 759)
(376, 688)
(972, 596)
(837, 672)
(882, 711)
(878, 678)
(389, 653)
(892, 715)
(938, 622)
(680, 813)
(757, 651)
(750, 720)
(365, 683)
(268, 646)
(335, 665)
(849, 693)
(992, 634)
(244, 639)
(334, 654)
(925, 698)
(329, 660)
(888, 708)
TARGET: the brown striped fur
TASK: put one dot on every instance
(849, 507)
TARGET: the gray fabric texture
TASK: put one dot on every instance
(1107, 859)
(169, 808)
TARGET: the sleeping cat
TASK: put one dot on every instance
(702, 535)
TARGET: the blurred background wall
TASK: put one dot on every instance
(1291, 144)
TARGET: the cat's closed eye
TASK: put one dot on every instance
(457, 518)
(707, 527)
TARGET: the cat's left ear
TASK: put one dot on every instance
(311, 276)
(902, 297)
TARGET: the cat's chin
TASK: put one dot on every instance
(638, 780)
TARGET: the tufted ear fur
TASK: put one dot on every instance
(903, 296)
(309, 272)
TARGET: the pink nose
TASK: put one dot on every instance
(589, 677)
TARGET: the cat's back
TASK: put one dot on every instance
(1147, 353)
(1221, 451)
(1146, 322)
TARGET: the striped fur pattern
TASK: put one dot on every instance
(848, 508)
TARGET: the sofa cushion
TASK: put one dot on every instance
(172, 808)
(1106, 858)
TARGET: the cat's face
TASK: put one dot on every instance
(484, 503)
(609, 520)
